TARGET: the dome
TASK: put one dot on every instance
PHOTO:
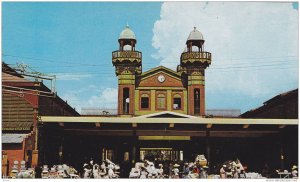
(195, 35)
(127, 33)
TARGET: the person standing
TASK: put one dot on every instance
(38, 171)
(223, 172)
(186, 169)
(294, 171)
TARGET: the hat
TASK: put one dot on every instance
(45, 169)
(14, 170)
(294, 167)
(176, 165)
(60, 168)
(224, 165)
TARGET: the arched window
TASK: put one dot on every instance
(196, 101)
(161, 101)
(126, 100)
(144, 101)
(177, 101)
(195, 49)
(127, 48)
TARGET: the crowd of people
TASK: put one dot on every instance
(106, 170)
(146, 169)
(23, 172)
(55, 172)
(174, 170)
(232, 169)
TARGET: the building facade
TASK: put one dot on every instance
(161, 89)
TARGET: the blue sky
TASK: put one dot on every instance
(254, 46)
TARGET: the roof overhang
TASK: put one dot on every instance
(147, 120)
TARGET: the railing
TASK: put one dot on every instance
(196, 55)
(99, 111)
(126, 54)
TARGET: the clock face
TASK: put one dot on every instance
(161, 78)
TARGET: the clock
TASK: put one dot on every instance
(161, 78)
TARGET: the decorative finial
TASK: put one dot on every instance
(127, 26)
(194, 28)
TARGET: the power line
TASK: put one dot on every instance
(46, 60)
(216, 67)
(224, 68)
(84, 64)
(264, 66)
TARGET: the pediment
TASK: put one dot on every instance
(161, 69)
(166, 114)
(150, 78)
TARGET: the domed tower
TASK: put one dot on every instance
(128, 63)
(193, 62)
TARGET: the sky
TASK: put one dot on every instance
(254, 46)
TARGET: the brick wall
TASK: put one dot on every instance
(14, 152)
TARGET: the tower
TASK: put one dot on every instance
(128, 63)
(193, 62)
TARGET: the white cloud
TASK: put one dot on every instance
(108, 98)
(92, 97)
(254, 45)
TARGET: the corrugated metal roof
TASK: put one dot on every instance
(224, 112)
(13, 138)
(269, 102)
(6, 77)
(17, 113)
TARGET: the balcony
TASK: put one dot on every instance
(132, 56)
(200, 57)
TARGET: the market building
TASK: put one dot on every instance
(161, 89)
(23, 102)
(162, 112)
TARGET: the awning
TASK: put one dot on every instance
(13, 138)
